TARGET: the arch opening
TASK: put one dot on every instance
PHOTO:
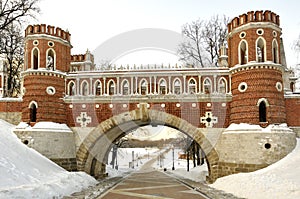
(93, 152)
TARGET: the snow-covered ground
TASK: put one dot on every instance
(24, 173)
(280, 180)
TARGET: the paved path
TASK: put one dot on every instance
(151, 184)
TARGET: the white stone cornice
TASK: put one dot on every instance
(256, 65)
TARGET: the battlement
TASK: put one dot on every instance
(251, 16)
(49, 30)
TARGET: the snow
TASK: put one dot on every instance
(44, 126)
(24, 173)
(245, 128)
(279, 180)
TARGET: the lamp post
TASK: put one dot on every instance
(173, 167)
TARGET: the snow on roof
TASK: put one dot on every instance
(249, 128)
(44, 126)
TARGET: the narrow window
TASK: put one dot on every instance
(84, 89)
(192, 86)
(111, 87)
(71, 89)
(275, 52)
(162, 87)
(98, 88)
(143, 87)
(33, 112)
(262, 112)
(125, 88)
(243, 53)
(222, 86)
(50, 63)
(260, 50)
(207, 86)
(177, 87)
(35, 59)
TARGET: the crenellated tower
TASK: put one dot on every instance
(47, 59)
(254, 42)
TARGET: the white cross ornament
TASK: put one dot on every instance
(209, 120)
(83, 119)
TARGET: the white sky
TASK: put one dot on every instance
(92, 22)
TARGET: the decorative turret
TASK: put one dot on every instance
(47, 59)
(255, 64)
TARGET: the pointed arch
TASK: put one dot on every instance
(71, 88)
(111, 88)
(177, 88)
(243, 52)
(207, 85)
(143, 87)
(33, 106)
(162, 86)
(35, 58)
(51, 59)
(84, 88)
(97, 88)
(222, 85)
(262, 109)
(275, 51)
(125, 87)
(192, 86)
(260, 49)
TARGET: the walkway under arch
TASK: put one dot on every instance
(93, 150)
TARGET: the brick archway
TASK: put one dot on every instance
(93, 150)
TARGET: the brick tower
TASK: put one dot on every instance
(257, 73)
(47, 59)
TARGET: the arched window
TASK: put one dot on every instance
(192, 86)
(275, 54)
(292, 86)
(207, 86)
(84, 88)
(35, 59)
(260, 50)
(125, 87)
(33, 111)
(71, 88)
(111, 89)
(222, 85)
(243, 52)
(98, 88)
(143, 87)
(162, 89)
(262, 112)
(50, 63)
(177, 87)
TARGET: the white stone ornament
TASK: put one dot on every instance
(83, 119)
(209, 120)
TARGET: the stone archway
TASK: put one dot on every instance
(93, 150)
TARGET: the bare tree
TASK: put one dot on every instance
(17, 10)
(202, 40)
(12, 46)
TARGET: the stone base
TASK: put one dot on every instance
(247, 148)
(70, 164)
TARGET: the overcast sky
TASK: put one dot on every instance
(92, 22)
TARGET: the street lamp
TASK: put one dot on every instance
(173, 167)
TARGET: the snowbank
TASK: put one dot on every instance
(280, 180)
(25, 173)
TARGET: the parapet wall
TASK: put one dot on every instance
(11, 110)
(49, 30)
(258, 16)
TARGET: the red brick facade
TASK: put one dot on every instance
(246, 92)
